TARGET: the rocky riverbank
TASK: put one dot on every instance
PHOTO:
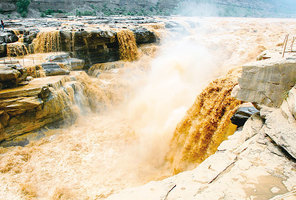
(30, 98)
(258, 160)
(128, 123)
(93, 39)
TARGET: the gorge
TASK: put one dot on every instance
(96, 107)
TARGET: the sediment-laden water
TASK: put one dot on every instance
(140, 131)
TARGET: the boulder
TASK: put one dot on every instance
(58, 58)
(54, 69)
(266, 82)
(67, 61)
(144, 36)
(8, 37)
(242, 115)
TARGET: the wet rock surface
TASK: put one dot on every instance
(53, 69)
(44, 101)
(257, 161)
(96, 69)
(8, 37)
(12, 75)
(83, 38)
(247, 160)
(67, 61)
(242, 115)
(144, 36)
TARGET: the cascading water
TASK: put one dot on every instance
(17, 49)
(205, 126)
(129, 142)
(47, 41)
(127, 45)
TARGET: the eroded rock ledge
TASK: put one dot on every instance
(43, 101)
(94, 40)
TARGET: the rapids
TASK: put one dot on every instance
(127, 139)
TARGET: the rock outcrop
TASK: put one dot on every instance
(8, 37)
(281, 123)
(258, 160)
(242, 114)
(53, 69)
(270, 85)
(43, 101)
(93, 45)
(67, 61)
(266, 82)
(248, 165)
(12, 75)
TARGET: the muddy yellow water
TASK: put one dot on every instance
(47, 41)
(205, 126)
(132, 138)
(127, 45)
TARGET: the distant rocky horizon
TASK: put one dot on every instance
(12, 9)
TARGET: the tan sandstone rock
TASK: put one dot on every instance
(266, 82)
(43, 101)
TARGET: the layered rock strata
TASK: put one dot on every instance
(93, 46)
(266, 82)
(43, 101)
(12, 75)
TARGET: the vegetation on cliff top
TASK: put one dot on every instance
(22, 7)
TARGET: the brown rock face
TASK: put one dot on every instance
(92, 46)
(44, 101)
